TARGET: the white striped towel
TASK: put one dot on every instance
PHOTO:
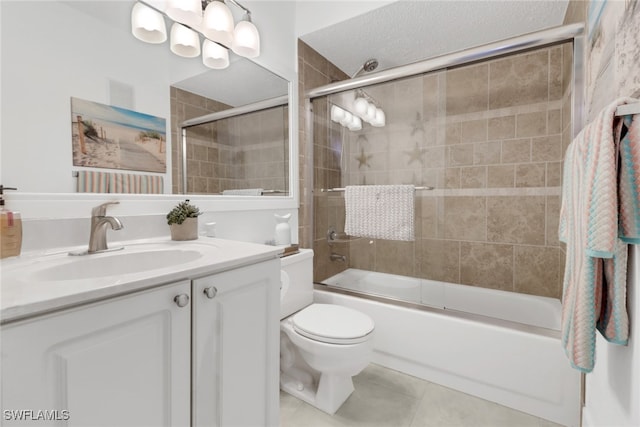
(380, 211)
(243, 192)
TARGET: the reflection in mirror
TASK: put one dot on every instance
(90, 54)
(226, 126)
(239, 152)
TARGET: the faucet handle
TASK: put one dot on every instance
(101, 210)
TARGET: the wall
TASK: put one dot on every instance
(61, 57)
(612, 64)
(186, 105)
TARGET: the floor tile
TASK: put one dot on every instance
(387, 398)
(392, 380)
(441, 406)
(288, 406)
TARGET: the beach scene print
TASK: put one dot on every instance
(105, 136)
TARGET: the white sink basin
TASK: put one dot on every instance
(115, 264)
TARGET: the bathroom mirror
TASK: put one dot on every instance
(85, 50)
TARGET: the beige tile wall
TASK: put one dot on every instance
(490, 138)
(202, 155)
(317, 159)
(248, 151)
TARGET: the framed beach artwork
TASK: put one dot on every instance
(105, 136)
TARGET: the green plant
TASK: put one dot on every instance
(181, 212)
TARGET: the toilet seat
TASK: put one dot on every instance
(333, 324)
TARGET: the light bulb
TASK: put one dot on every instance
(347, 119)
(246, 39)
(214, 56)
(218, 23)
(184, 41)
(356, 124)
(337, 113)
(371, 113)
(188, 12)
(147, 24)
(360, 106)
(380, 119)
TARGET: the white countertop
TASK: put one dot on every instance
(23, 293)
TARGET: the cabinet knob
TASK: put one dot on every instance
(210, 292)
(182, 300)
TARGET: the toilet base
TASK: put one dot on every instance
(328, 396)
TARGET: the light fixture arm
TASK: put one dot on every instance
(234, 2)
(362, 94)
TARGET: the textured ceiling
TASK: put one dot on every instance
(409, 31)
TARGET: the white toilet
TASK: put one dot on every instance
(321, 345)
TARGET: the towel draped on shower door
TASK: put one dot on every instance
(598, 217)
(380, 211)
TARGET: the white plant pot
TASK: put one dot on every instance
(188, 230)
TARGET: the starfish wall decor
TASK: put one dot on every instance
(363, 159)
(417, 125)
(416, 155)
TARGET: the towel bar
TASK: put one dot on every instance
(627, 109)
(340, 189)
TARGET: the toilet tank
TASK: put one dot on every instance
(296, 282)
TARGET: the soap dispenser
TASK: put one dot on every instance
(10, 229)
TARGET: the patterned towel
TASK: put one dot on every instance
(112, 182)
(380, 211)
(594, 289)
(630, 181)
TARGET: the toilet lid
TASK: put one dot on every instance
(333, 324)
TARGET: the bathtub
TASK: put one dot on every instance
(499, 346)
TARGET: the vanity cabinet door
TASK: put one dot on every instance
(121, 362)
(236, 347)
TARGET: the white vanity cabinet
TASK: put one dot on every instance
(124, 361)
(201, 352)
(236, 347)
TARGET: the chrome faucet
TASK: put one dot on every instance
(98, 236)
(337, 257)
(99, 221)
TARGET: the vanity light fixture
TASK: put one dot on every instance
(365, 108)
(345, 118)
(215, 25)
(368, 109)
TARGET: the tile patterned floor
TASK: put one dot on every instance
(388, 398)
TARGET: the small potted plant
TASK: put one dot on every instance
(183, 220)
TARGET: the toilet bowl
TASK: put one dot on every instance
(321, 348)
(321, 345)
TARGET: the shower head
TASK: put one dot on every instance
(367, 67)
